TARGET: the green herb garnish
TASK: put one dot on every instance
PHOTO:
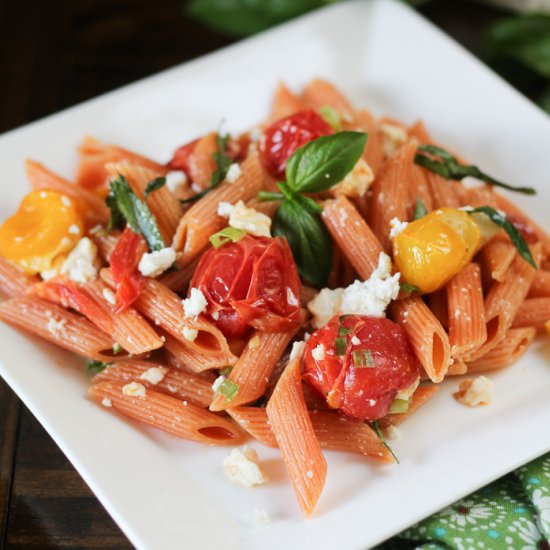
(343, 331)
(117, 348)
(313, 168)
(96, 367)
(419, 209)
(500, 219)
(376, 427)
(331, 117)
(228, 389)
(407, 287)
(399, 406)
(229, 234)
(126, 206)
(223, 162)
(226, 371)
(363, 359)
(448, 167)
(340, 345)
(153, 185)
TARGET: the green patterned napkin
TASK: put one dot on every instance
(513, 513)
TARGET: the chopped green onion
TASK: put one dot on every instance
(226, 371)
(97, 366)
(407, 287)
(270, 196)
(331, 117)
(340, 345)
(363, 359)
(229, 234)
(419, 209)
(228, 389)
(376, 427)
(399, 406)
(342, 330)
(117, 348)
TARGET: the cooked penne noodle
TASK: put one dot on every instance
(57, 325)
(13, 281)
(374, 152)
(426, 335)
(168, 414)
(540, 287)
(507, 351)
(437, 302)
(497, 256)
(443, 192)
(533, 312)
(201, 160)
(178, 279)
(177, 383)
(285, 103)
(319, 93)
(467, 329)
(296, 439)
(457, 368)
(106, 243)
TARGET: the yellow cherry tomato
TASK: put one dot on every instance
(46, 226)
(431, 250)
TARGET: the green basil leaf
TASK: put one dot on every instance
(340, 345)
(96, 367)
(309, 241)
(116, 220)
(153, 185)
(419, 209)
(325, 161)
(516, 237)
(448, 167)
(407, 287)
(377, 429)
(136, 213)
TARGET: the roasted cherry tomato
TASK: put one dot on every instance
(251, 282)
(180, 160)
(124, 262)
(359, 364)
(46, 226)
(283, 137)
(434, 248)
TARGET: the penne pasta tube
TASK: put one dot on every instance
(201, 163)
(437, 302)
(296, 439)
(507, 351)
(373, 154)
(106, 243)
(179, 279)
(167, 413)
(497, 257)
(457, 368)
(540, 287)
(285, 104)
(13, 281)
(422, 394)
(444, 193)
(319, 93)
(427, 337)
(533, 312)
(467, 329)
(57, 325)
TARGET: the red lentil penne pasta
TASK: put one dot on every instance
(201, 161)
(168, 414)
(57, 325)
(178, 279)
(533, 312)
(285, 103)
(457, 368)
(374, 153)
(296, 439)
(443, 192)
(507, 351)
(319, 93)
(426, 335)
(467, 329)
(540, 287)
(437, 302)
(106, 244)
(497, 256)
(13, 281)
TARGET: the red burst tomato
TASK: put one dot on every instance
(180, 160)
(252, 282)
(359, 364)
(283, 137)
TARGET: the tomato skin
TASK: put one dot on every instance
(283, 137)
(365, 393)
(124, 261)
(180, 160)
(253, 282)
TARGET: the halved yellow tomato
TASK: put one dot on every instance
(431, 250)
(46, 225)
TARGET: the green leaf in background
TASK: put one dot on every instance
(308, 239)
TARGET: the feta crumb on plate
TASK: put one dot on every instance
(195, 304)
(134, 389)
(190, 333)
(247, 219)
(233, 173)
(258, 518)
(297, 350)
(243, 467)
(397, 227)
(154, 375)
(392, 432)
(473, 392)
(152, 264)
(175, 180)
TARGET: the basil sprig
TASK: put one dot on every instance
(125, 205)
(313, 168)
(223, 162)
(448, 167)
(500, 219)
(153, 185)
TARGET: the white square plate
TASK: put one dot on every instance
(170, 494)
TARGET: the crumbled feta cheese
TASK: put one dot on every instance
(258, 518)
(397, 227)
(134, 389)
(56, 327)
(254, 342)
(318, 353)
(80, 265)
(195, 187)
(407, 393)
(392, 432)
(152, 264)
(109, 296)
(154, 375)
(233, 173)
(325, 306)
(473, 392)
(297, 350)
(393, 137)
(357, 182)
(195, 304)
(175, 180)
(74, 229)
(243, 467)
(355, 341)
(106, 402)
(190, 333)
(247, 219)
(215, 315)
(218, 382)
(309, 474)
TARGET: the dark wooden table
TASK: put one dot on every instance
(54, 54)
